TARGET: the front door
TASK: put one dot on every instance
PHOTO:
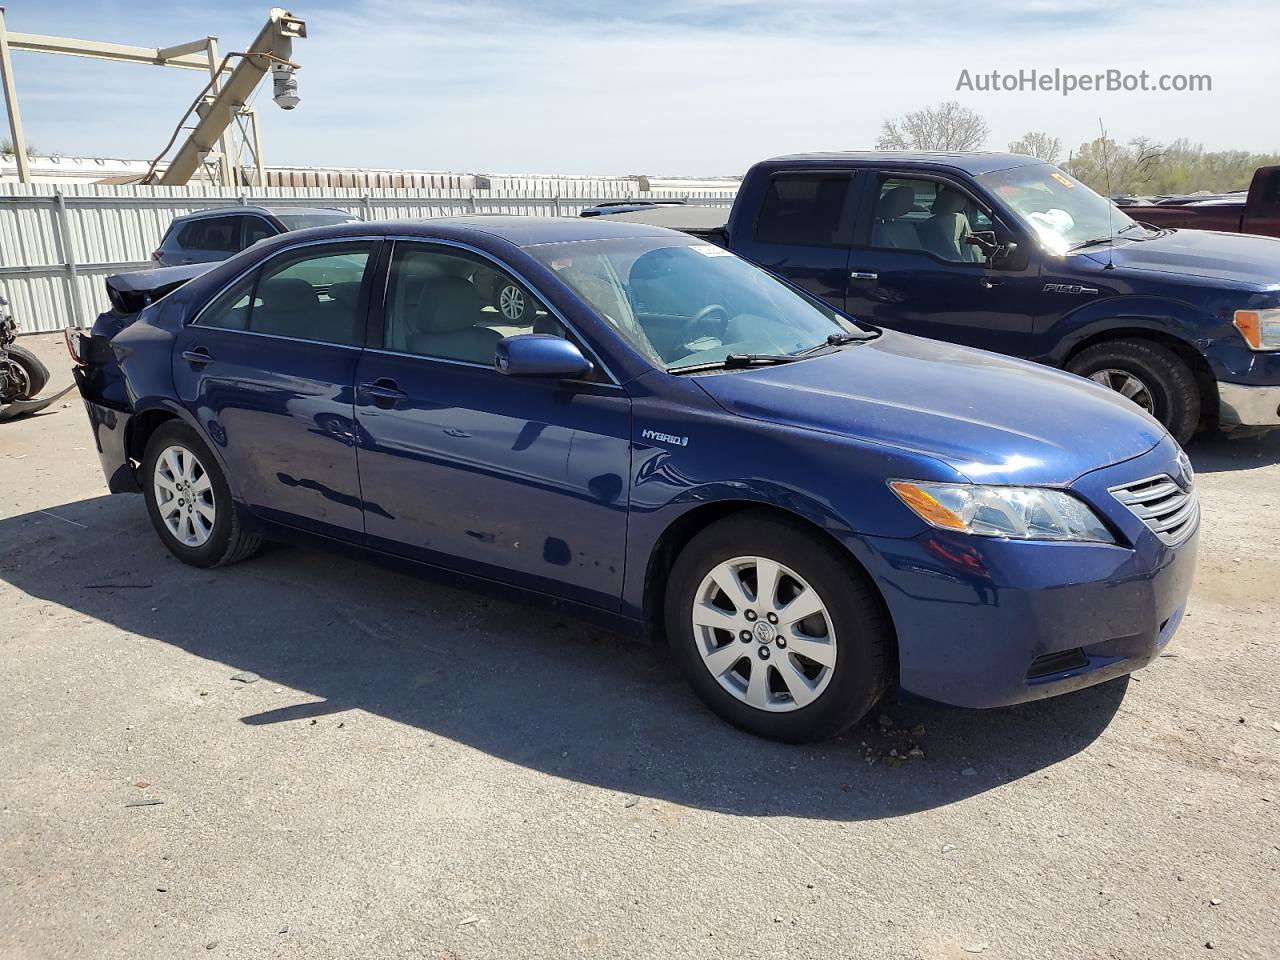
(268, 371)
(519, 480)
(914, 269)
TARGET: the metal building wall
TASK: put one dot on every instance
(58, 241)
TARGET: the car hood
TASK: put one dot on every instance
(1236, 257)
(992, 418)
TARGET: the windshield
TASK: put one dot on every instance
(682, 303)
(300, 221)
(1060, 210)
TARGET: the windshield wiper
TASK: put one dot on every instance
(1093, 242)
(752, 359)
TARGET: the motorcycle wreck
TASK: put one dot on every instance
(22, 375)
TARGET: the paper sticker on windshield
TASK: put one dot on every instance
(1063, 180)
(710, 250)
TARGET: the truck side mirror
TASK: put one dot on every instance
(997, 252)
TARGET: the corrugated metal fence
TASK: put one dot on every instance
(58, 241)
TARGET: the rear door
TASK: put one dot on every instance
(912, 267)
(803, 230)
(268, 371)
(521, 480)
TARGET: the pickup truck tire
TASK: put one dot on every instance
(804, 660)
(189, 501)
(1174, 395)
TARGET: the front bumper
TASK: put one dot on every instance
(1248, 405)
(986, 622)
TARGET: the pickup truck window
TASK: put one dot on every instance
(804, 210)
(927, 216)
(683, 304)
(1060, 210)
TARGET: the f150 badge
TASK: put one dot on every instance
(647, 434)
(1072, 288)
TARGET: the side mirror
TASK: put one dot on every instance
(540, 355)
(996, 251)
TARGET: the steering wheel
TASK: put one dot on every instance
(707, 312)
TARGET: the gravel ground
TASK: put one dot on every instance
(426, 772)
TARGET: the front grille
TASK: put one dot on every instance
(1168, 510)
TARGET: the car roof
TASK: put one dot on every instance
(972, 163)
(236, 208)
(517, 230)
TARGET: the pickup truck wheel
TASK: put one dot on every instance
(189, 501)
(775, 630)
(1149, 374)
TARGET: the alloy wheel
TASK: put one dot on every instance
(511, 302)
(184, 496)
(764, 634)
(1127, 385)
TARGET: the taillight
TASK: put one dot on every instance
(75, 357)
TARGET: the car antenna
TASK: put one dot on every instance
(1111, 204)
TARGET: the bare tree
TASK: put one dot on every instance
(947, 126)
(1039, 145)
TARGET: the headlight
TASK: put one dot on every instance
(1021, 513)
(1260, 328)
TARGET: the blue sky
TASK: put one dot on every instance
(663, 87)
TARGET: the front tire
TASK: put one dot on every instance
(776, 630)
(1151, 375)
(189, 501)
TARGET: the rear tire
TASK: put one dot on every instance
(1164, 378)
(793, 681)
(189, 501)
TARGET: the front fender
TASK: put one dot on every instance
(1166, 316)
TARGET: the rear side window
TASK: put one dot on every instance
(806, 210)
(309, 294)
(212, 233)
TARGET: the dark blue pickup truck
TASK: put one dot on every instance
(1010, 254)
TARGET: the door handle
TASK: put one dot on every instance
(989, 282)
(197, 357)
(863, 275)
(386, 393)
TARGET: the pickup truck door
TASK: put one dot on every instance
(803, 230)
(912, 269)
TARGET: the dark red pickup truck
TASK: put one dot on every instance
(1259, 212)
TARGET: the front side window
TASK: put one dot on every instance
(681, 303)
(1059, 210)
(447, 303)
(308, 294)
(255, 229)
(803, 210)
(212, 233)
(927, 216)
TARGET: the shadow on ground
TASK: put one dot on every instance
(1218, 453)
(529, 686)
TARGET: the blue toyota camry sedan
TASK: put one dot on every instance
(620, 417)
